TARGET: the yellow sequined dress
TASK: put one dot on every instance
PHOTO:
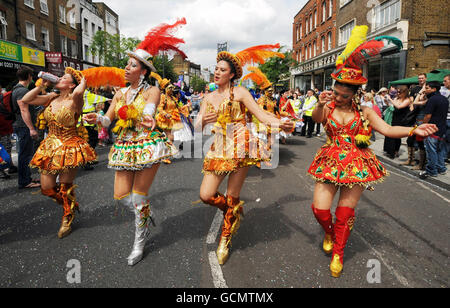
(234, 145)
(63, 149)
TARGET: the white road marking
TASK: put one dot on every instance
(216, 271)
(215, 227)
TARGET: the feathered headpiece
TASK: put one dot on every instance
(76, 74)
(253, 55)
(159, 39)
(163, 83)
(258, 77)
(357, 52)
(101, 76)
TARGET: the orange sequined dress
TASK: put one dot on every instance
(63, 149)
(341, 162)
(234, 145)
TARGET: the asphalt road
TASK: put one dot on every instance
(400, 237)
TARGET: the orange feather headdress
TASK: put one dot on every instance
(101, 76)
(253, 55)
(258, 77)
(163, 83)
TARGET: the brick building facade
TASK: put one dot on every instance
(46, 34)
(423, 26)
(314, 39)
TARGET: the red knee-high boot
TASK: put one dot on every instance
(345, 219)
(325, 219)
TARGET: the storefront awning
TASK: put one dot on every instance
(434, 75)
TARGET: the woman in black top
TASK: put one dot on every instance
(401, 103)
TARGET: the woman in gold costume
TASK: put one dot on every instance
(63, 151)
(234, 149)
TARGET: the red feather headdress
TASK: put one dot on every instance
(161, 38)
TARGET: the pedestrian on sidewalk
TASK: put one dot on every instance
(6, 130)
(445, 91)
(435, 145)
(24, 128)
(308, 108)
(346, 162)
(401, 104)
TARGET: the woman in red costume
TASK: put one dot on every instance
(346, 163)
(234, 149)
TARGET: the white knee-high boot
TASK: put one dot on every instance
(142, 218)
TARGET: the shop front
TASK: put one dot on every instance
(314, 73)
(57, 63)
(13, 56)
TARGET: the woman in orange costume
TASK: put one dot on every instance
(234, 149)
(346, 163)
(63, 151)
(170, 113)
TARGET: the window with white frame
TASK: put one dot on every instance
(324, 11)
(29, 3)
(314, 49)
(44, 7)
(316, 21)
(345, 32)
(344, 2)
(3, 26)
(330, 8)
(73, 49)
(329, 41)
(30, 30)
(323, 44)
(386, 14)
(45, 39)
(64, 45)
(62, 14)
(72, 19)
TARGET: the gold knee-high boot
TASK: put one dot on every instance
(232, 221)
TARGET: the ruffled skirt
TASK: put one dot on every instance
(351, 167)
(55, 155)
(135, 151)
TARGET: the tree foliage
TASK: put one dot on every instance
(276, 69)
(112, 50)
(198, 84)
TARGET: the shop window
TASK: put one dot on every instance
(30, 30)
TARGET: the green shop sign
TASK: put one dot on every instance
(10, 51)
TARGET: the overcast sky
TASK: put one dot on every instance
(241, 23)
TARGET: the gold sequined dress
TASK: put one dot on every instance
(234, 145)
(63, 149)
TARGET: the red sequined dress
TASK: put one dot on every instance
(341, 162)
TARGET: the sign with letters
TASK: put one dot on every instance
(10, 51)
(33, 56)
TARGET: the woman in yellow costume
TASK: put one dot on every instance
(139, 148)
(346, 163)
(63, 151)
(172, 115)
(234, 149)
(265, 102)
